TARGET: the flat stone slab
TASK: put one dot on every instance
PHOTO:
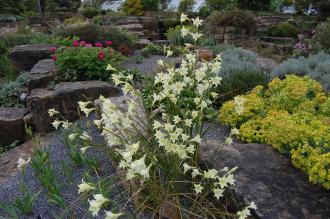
(269, 179)
(11, 125)
(64, 98)
(41, 74)
(24, 57)
(8, 160)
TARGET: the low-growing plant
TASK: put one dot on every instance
(321, 39)
(175, 38)
(186, 6)
(26, 202)
(153, 49)
(283, 30)
(8, 209)
(315, 66)
(159, 148)
(5, 64)
(85, 62)
(10, 91)
(8, 147)
(90, 11)
(133, 7)
(289, 116)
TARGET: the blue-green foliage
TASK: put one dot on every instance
(316, 66)
(10, 91)
(239, 60)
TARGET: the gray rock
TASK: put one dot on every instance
(41, 74)
(64, 98)
(269, 179)
(24, 57)
(11, 125)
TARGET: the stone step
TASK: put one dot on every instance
(24, 57)
(283, 40)
(268, 178)
(142, 43)
(64, 98)
(132, 27)
(41, 74)
(137, 33)
(12, 125)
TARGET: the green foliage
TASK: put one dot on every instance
(175, 38)
(4, 18)
(133, 7)
(315, 66)
(10, 91)
(150, 5)
(83, 63)
(283, 30)
(323, 7)
(219, 5)
(5, 64)
(90, 11)
(322, 36)
(74, 21)
(92, 33)
(16, 6)
(236, 18)
(289, 116)
(254, 5)
(186, 6)
(237, 83)
(8, 147)
(153, 49)
(25, 204)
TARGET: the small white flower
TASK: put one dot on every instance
(21, 163)
(110, 215)
(218, 193)
(234, 131)
(85, 136)
(52, 112)
(196, 36)
(197, 22)
(85, 187)
(56, 124)
(188, 122)
(196, 139)
(84, 149)
(244, 213)
(183, 18)
(229, 140)
(184, 31)
(186, 168)
(96, 204)
(176, 119)
(211, 174)
(198, 188)
(195, 173)
(160, 62)
(110, 68)
(169, 53)
(72, 136)
(252, 206)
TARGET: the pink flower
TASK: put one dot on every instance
(109, 43)
(88, 45)
(98, 45)
(76, 43)
(82, 43)
(101, 55)
(54, 58)
(53, 49)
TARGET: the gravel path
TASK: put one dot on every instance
(58, 153)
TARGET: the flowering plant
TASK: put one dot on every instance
(85, 61)
(158, 150)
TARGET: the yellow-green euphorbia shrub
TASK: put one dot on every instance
(293, 116)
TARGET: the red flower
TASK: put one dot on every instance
(88, 45)
(82, 43)
(53, 49)
(101, 55)
(109, 43)
(54, 58)
(98, 45)
(76, 43)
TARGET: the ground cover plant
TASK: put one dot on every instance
(158, 149)
(315, 66)
(85, 61)
(293, 116)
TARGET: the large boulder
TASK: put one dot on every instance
(11, 125)
(24, 57)
(269, 179)
(41, 74)
(64, 98)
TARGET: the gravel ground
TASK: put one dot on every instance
(58, 153)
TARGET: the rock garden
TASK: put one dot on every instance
(164, 109)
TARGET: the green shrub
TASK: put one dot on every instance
(283, 30)
(323, 7)
(74, 21)
(153, 49)
(10, 91)
(186, 6)
(315, 66)
(219, 5)
(5, 64)
(254, 5)
(4, 18)
(322, 37)
(90, 11)
(92, 33)
(132, 7)
(83, 63)
(150, 5)
(290, 116)
(236, 18)
(174, 36)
